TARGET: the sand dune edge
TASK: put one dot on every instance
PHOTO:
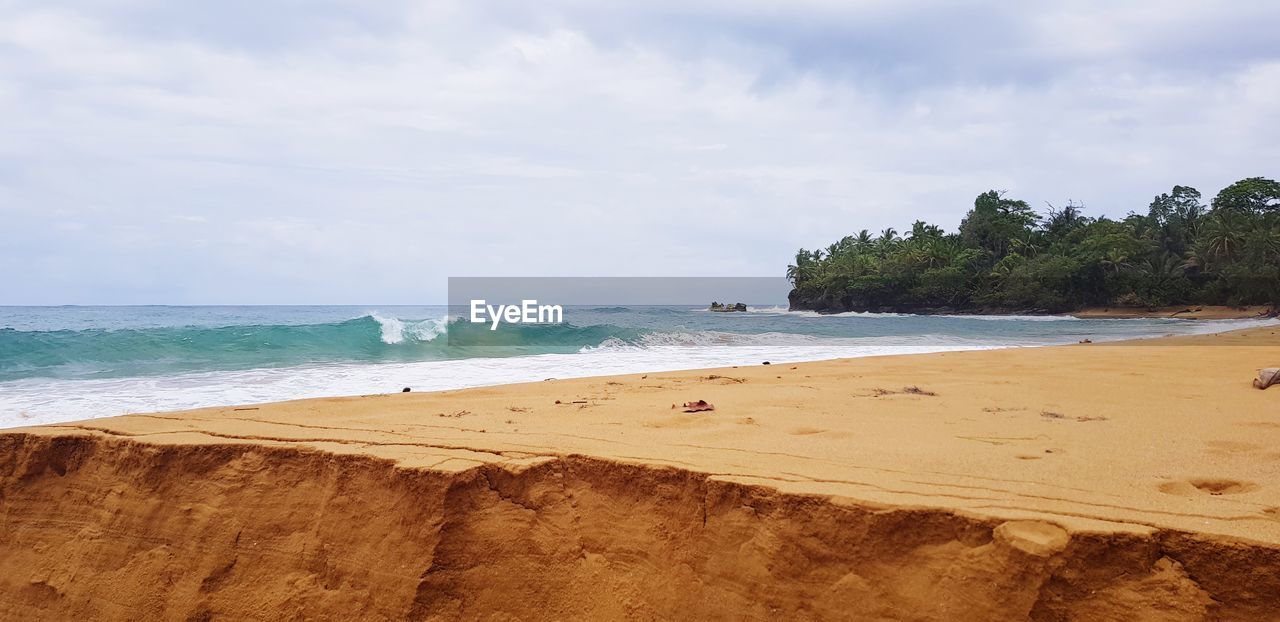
(256, 532)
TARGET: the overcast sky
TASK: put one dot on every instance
(361, 152)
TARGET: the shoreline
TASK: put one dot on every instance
(1183, 312)
(28, 405)
(991, 465)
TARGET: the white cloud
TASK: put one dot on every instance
(349, 154)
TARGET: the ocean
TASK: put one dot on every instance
(61, 364)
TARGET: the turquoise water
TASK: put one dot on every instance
(80, 362)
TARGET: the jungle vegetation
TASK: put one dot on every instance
(1006, 256)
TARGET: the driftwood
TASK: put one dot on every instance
(1267, 377)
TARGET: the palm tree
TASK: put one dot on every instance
(1261, 245)
(1116, 260)
(1165, 267)
(921, 230)
(885, 243)
(1221, 236)
(931, 252)
(804, 269)
(863, 241)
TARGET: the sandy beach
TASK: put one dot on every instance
(1130, 481)
(1182, 312)
(659, 311)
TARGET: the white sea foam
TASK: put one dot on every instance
(718, 339)
(43, 400)
(1017, 318)
(46, 400)
(776, 310)
(392, 328)
(395, 330)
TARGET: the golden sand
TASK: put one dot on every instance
(1094, 481)
(1197, 312)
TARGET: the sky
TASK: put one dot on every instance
(321, 152)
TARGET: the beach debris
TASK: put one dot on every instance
(460, 413)
(557, 401)
(246, 408)
(1048, 414)
(1267, 377)
(765, 363)
(911, 390)
(1087, 418)
(1086, 341)
(698, 406)
(728, 378)
(405, 390)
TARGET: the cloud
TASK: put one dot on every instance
(272, 152)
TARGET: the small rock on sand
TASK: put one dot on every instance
(1267, 377)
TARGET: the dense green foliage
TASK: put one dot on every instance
(1006, 256)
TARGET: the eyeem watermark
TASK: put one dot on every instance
(527, 312)
(589, 311)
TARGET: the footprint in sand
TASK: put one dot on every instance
(806, 431)
(1231, 448)
(1199, 486)
(684, 422)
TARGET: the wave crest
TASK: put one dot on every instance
(395, 330)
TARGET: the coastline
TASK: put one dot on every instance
(810, 484)
(164, 365)
(1182, 312)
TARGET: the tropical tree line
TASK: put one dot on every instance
(1006, 256)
